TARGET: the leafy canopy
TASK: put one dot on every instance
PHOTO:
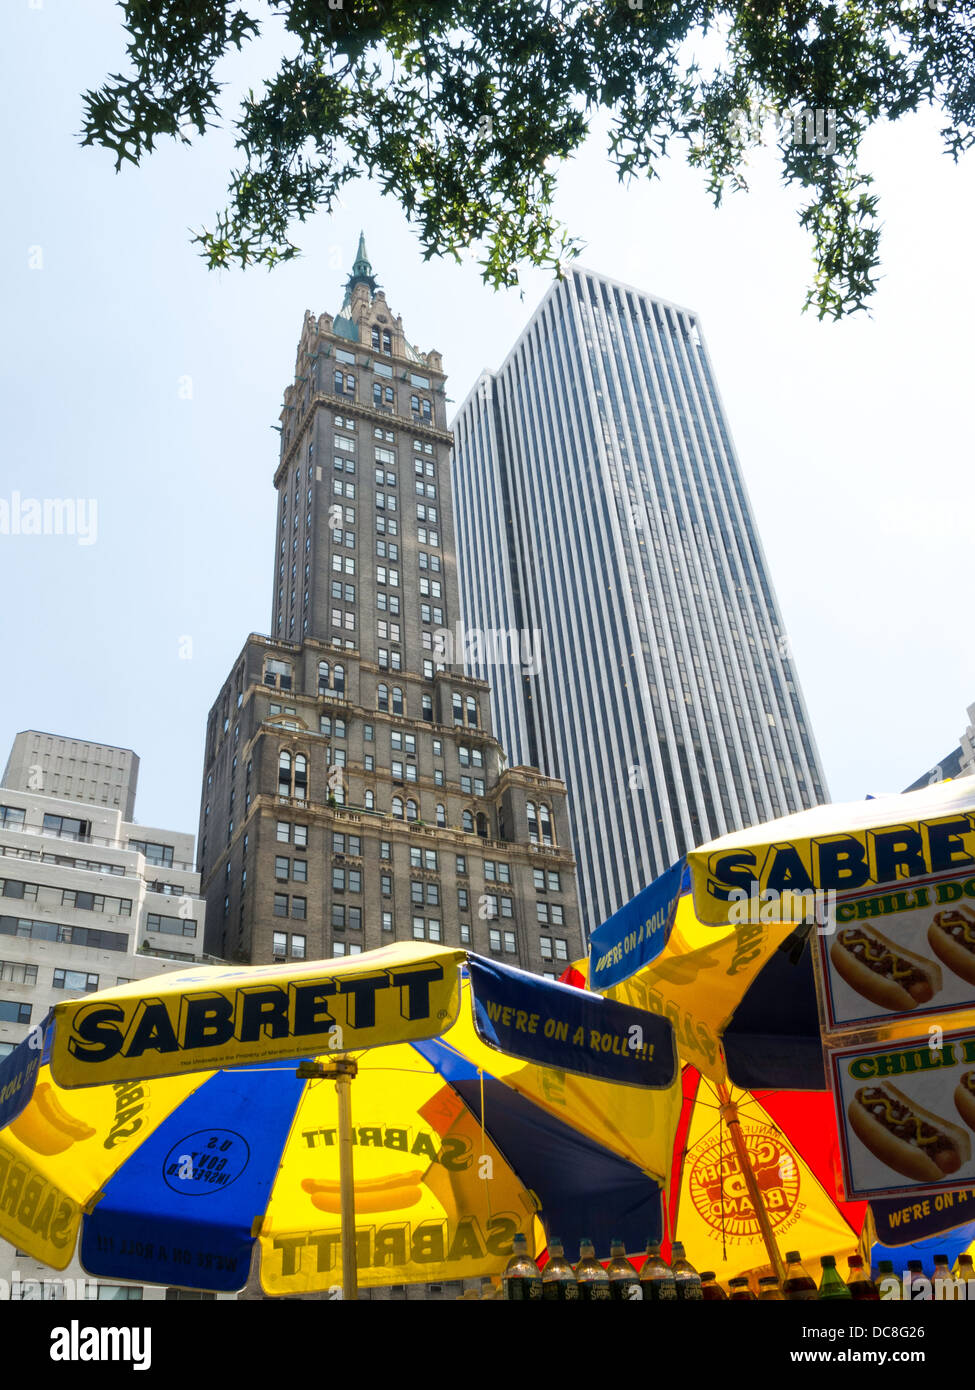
(463, 110)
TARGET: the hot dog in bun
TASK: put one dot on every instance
(908, 1139)
(884, 973)
(965, 1098)
(952, 939)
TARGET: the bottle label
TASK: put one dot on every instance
(626, 1290)
(660, 1290)
(594, 1292)
(560, 1290)
(690, 1291)
(519, 1288)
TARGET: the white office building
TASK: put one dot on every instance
(601, 513)
(87, 901)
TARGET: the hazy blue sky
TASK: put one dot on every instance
(855, 439)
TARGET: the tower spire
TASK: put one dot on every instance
(361, 269)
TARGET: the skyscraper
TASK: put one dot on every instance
(599, 503)
(353, 791)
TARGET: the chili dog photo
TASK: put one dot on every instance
(912, 1141)
(951, 937)
(904, 951)
(965, 1098)
(884, 973)
(900, 1104)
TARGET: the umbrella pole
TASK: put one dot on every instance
(729, 1111)
(343, 1090)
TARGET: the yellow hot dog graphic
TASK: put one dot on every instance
(46, 1127)
(371, 1194)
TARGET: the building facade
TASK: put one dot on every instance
(96, 773)
(603, 522)
(353, 791)
(959, 762)
(88, 901)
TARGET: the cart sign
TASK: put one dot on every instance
(907, 951)
(261, 1014)
(560, 1026)
(906, 1116)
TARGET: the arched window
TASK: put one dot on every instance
(375, 338)
(284, 773)
(377, 392)
(387, 342)
(441, 816)
(412, 812)
(339, 381)
(382, 697)
(390, 397)
(370, 802)
(428, 708)
(545, 817)
(338, 680)
(415, 404)
(398, 807)
(532, 814)
(467, 820)
(482, 825)
(472, 711)
(458, 710)
(323, 677)
(301, 777)
(397, 700)
(426, 409)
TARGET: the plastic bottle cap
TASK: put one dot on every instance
(769, 1279)
(828, 1262)
(792, 1257)
(737, 1283)
(856, 1262)
(707, 1273)
(941, 1259)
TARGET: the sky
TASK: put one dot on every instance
(147, 387)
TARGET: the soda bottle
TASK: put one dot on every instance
(624, 1282)
(889, 1287)
(558, 1280)
(740, 1290)
(686, 1277)
(859, 1283)
(768, 1290)
(522, 1277)
(915, 1271)
(711, 1290)
(657, 1277)
(943, 1286)
(832, 1285)
(592, 1279)
(797, 1285)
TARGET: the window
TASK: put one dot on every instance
(412, 812)
(441, 815)
(467, 821)
(12, 1011)
(461, 864)
(301, 836)
(382, 698)
(68, 827)
(387, 921)
(429, 929)
(462, 899)
(75, 979)
(17, 974)
(279, 943)
(386, 885)
(465, 933)
(397, 807)
(280, 904)
(398, 706)
(494, 939)
(282, 868)
(155, 854)
(170, 926)
(300, 870)
(11, 817)
(497, 872)
(385, 849)
(299, 907)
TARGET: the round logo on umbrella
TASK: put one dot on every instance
(717, 1185)
(206, 1161)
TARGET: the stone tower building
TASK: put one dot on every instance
(353, 792)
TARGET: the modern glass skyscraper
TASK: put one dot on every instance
(599, 503)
